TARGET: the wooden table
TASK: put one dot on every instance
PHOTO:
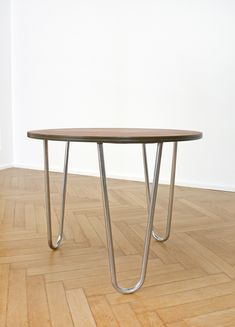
(116, 135)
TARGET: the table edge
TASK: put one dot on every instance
(122, 140)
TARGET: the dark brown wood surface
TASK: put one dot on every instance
(115, 135)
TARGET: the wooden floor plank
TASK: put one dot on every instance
(197, 308)
(17, 300)
(4, 276)
(79, 307)
(150, 319)
(125, 315)
(216, 319)
(169, 300)
(178, 324)
(102, 311)
(58, 306)
(38, 313)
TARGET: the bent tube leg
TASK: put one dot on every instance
(171, 191)
(48, 200)
(151, 210)
(146, 173)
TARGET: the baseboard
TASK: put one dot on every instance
(192, 184)
(5, 166)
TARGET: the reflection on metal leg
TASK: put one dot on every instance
(171, 192)
(151, 209)
(47, 198)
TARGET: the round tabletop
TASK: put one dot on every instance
(115, 135)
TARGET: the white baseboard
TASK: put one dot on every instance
(192, 184)
(5, 166)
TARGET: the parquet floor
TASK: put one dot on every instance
(190, 280)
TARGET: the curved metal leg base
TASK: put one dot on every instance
(159, 238)
(57, 243)
(128, 290)
(151, 210)
(52, 246)
(48, 200)
(171, 192)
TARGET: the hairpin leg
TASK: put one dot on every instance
(151, 209)
(47, 197)
(171, 192)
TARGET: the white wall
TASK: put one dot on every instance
(154, 63)
(5, 85)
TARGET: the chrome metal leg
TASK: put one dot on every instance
(151, 209)
(171, 192)
(47, 198)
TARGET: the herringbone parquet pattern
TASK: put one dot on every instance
(190, 280)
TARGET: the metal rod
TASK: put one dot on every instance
(171, 192)
(48, 200)
(146, 174)
(151, 210)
